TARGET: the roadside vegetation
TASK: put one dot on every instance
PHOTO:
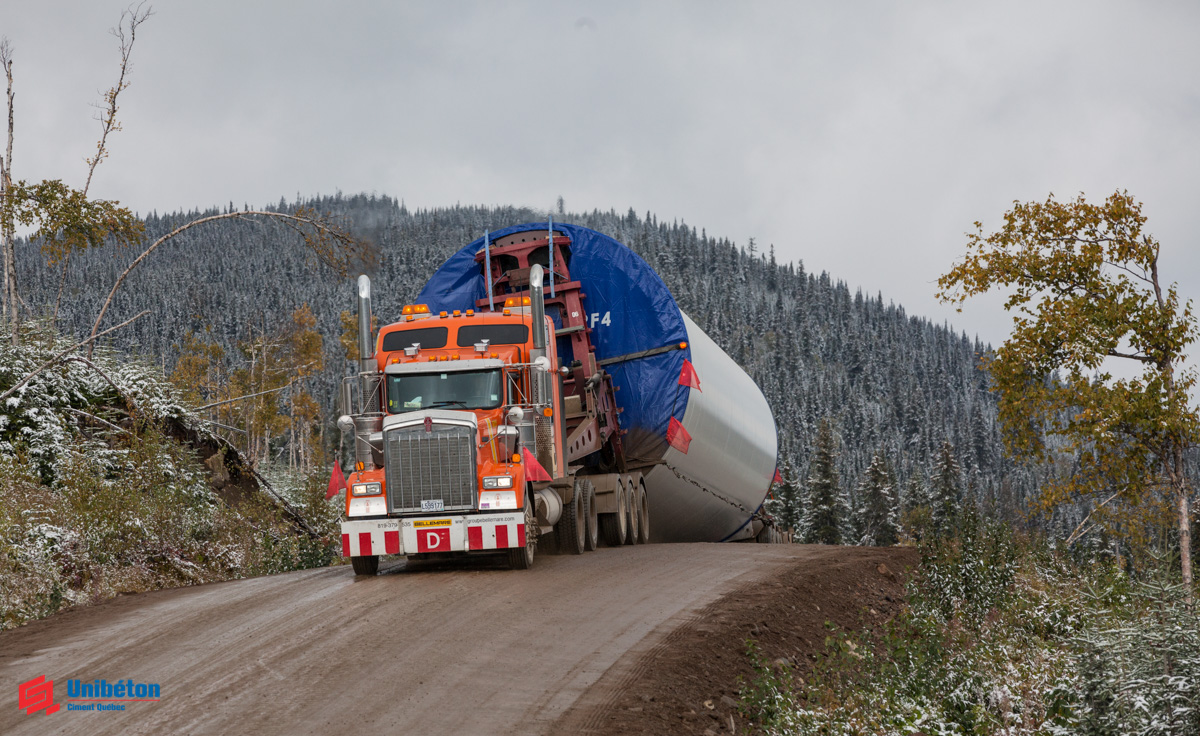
(1090, 628)
(111, 483)
(1002, 635)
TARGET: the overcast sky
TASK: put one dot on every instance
(863, 138)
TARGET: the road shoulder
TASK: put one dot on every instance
(685, 680)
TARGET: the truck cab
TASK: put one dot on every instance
(449, 462)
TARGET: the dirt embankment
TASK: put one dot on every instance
(687, 683)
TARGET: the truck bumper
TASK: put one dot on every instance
(420, 535)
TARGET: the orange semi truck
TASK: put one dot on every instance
(488, 428)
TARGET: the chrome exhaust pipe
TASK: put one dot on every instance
(366, 346)
(539, 306)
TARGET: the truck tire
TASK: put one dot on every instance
(365, 565)
(631, 507)
(592, 538)
(521, 558)
(614, 527)
(572, 525)
(644, 508)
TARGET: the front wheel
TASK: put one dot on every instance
(365, 565)
(521, 558)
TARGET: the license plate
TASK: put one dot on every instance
(434, 505)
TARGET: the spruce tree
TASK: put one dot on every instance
(946, 489)
(875, 515)
(825, 509)
(786, 505)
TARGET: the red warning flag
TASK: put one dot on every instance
(337, 481)
(687, 375)
(778, 479)
(677, 436)
(533, 469)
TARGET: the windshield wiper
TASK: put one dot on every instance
(452, 402)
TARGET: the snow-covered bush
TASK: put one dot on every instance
(98, 496)
(1002, 636)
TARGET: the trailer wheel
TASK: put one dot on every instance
(521, 558)
(644, 507)
(365, 565)
(631, 506)
(592, 538)
(572, 525)
(614, 527)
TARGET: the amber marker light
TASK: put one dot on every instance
(547, 412)
(683, 346)
(516, 458)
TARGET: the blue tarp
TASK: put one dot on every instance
(629, 309)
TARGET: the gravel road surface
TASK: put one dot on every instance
(427, 649)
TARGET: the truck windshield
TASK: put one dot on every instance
(449, 390)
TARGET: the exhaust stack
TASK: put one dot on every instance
(366, 346)
(539, 307)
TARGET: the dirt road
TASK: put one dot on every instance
(433, 650)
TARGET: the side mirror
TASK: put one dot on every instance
(542, 363)
(345, 423)
(515, 414)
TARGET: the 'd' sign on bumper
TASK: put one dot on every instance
(433, 534)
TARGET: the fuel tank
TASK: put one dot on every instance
(704, 483)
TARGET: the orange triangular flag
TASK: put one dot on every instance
(533, 469)
(337, 481)
(687, 375)
(677, 436)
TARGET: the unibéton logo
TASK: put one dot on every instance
(37, 694)
(99, 695)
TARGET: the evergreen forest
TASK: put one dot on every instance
(895, 389)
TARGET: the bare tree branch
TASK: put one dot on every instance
(1142, 358)
(321, 236)
(124, 396)
(247, 396)
(95, 418)
(1079, 530)
(108, 119)
(59, 355)
(6, 241)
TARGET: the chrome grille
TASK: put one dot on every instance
(429, 466)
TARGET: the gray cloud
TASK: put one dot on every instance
(863, 138)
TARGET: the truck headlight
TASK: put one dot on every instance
(497, 481)
(366, 489)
